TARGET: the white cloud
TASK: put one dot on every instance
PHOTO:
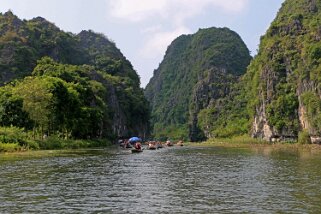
(136, 10)
(152, 29)
(140, 10)
(175, 12)
(158, 42)
(161, 21)
(188, 9)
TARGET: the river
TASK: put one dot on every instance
(169, 180)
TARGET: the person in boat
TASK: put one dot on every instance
(169, 143)
(125, 144)
(152, 145)
(180, 143)
(138, 146)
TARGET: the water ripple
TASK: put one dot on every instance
(171, 180)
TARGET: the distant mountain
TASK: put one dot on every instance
(88, 67)
(284, 79)
(198, 73)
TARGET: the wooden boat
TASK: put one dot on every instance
(168, 143)
(151, 146)
(180, 143)
(137, 150)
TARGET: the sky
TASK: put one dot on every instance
(143, 29)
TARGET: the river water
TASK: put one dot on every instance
(169, 180)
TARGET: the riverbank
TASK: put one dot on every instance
(52, 143)
(36, 154)
(260, 146)
(13, 139)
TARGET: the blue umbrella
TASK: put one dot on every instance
(134, 139)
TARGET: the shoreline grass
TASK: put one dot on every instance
(13, 139)
(262, 147)
(53, 143)
(38, 154)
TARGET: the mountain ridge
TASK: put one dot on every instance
(86, 67)
(188, 60)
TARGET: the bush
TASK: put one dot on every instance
(312, 104)
(9, 147)
(52, 142)
(32, 145)
(243, 139)
(304, 137)
(173, 132)
(13, 135)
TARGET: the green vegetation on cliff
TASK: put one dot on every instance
(284, 79)
(68, 86)
(196, 76)
(199, 89)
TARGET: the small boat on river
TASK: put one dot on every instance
(151, 146)
(180, 143)
(137, 148)
(169, 143)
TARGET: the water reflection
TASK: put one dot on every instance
(170, 180)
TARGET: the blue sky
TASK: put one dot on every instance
(142, 29)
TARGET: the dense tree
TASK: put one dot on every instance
(78, 86)
(11, 109)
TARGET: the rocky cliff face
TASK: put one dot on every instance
(197, 72)
(285, 76)
(210, 92)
